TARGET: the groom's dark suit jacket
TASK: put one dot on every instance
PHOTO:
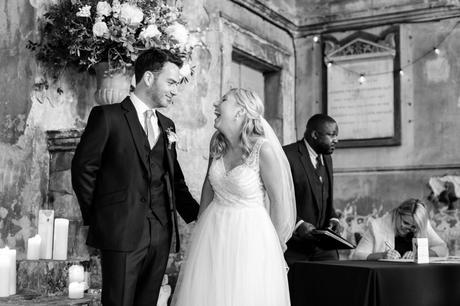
(308, 192)
(110, 176)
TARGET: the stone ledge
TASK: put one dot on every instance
(63, 140)
(49, 277)
(33, 298)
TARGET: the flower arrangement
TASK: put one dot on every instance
(82, 33)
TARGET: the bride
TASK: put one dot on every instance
(247, 214)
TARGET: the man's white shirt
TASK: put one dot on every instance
(141, 108)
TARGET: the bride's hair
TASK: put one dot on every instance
(252, 125)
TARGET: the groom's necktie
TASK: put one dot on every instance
(152, 135)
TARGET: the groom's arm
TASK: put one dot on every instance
(87, 160)
(186, 205)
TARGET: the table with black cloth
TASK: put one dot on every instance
(374, 283)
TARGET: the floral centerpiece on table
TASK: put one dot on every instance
(82, 33)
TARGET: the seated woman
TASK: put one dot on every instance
(390, 236)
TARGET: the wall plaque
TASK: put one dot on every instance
(361, 93)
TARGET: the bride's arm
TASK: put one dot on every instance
(207, 193)
(270, 174)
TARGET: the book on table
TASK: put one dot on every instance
(328, 239)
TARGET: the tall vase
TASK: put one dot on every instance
(111, 88)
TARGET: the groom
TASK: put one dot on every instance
(129, 184)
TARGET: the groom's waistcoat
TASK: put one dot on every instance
(157, 188)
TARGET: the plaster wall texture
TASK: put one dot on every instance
(429, 104)
(368, 177)
(317, 11)
(429, 126)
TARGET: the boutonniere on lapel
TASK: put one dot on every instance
(172, 137)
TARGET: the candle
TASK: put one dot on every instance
(12, 281)
(76, 290)
(4, 273)
(45, 230)
(33, 247)
(76, 274)
(61, 229)
(86, 281)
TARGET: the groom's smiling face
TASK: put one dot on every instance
(163, 85)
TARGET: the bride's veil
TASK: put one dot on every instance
(283, 214)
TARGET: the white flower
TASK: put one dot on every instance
(149, 32)
(178, 32)
(151, 19)
(84, 11)
(103, 8)
(116, 8)
(131, 14)
(172, 137)
(100, 28)
(185, 70)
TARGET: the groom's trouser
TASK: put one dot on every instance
(134, 278)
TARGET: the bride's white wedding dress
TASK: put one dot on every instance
(235, 257)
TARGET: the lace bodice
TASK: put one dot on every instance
(241, 185)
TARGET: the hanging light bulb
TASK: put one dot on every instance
(362, 78)
(437, 51)
(329, 64)
(401, 72)
(316, 38)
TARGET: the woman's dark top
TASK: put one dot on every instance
(403, 244)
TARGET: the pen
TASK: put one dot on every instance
(388, 245)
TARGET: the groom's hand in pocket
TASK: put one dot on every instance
(305, 230)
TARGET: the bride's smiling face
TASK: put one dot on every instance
(227, 118)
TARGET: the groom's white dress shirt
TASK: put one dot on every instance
(141, 108)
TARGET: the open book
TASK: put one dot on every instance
(328, 239)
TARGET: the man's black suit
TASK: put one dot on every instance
(313, 206)
(129, 206)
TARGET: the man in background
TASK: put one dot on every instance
(311, 166)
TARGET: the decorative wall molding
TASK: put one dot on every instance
(236, 25)
(398, 168)
(268, 14)
(260, 50)
(408, 16)
(334, 23)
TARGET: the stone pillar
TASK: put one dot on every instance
(61, 198)
(48, 278)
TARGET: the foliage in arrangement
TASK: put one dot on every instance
(82, 33)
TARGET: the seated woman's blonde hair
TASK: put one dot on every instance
(416, 209)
